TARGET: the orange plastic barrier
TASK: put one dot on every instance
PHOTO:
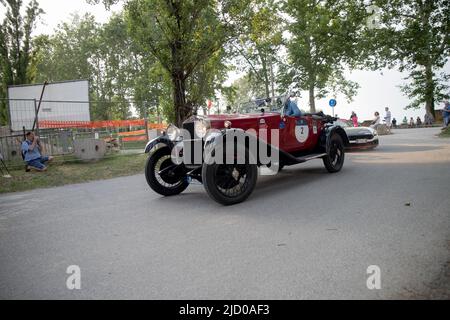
(132, 133)
(137, 138)
(46, 124)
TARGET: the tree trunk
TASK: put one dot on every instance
(429, 90)
(179, 98)
(272, 77)
(265, 75)
(312, 101)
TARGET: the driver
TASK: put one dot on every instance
(291, 109)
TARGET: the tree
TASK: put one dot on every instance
(182, 35)
(104, 54)
(415, 35)
(15, 47)
(259, 42)
(324, 39)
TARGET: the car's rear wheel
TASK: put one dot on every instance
(334, 160)
(163, 176)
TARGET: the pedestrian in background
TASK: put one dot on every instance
(354, 119)
(426, 119)
(429, 119)
(405, 121)
(418, 122)
(446, 114)
(376, 121)
(411, 122)
(394, 123)
(387, 118)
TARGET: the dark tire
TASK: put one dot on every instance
(219, 184)
(229, 184)
(169, 183)
(334, 161)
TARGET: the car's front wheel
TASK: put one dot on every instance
(229, 184)
(334, 160)
(163, 176)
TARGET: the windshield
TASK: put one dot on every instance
(255, 106)
(342, 123)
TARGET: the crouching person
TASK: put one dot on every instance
(31, 150)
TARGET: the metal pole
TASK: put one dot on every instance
(39, 106)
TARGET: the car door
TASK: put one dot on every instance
(300, 133)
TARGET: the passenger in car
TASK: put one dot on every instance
(291, 109)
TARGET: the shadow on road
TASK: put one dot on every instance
(400, 148)
(268, 188)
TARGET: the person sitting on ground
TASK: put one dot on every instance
(31, 150)
(376, 122)
(291, 109)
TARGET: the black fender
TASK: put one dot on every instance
(328, 132)
(251, 142)
(159, 142)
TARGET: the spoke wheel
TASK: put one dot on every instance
(229, 184)
(163, 176)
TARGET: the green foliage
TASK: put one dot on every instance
(183, 36)
(107, 56)
(258, 43)
(15, 47)
(176, 54)
(186, 38)
(324, 39)
(414, 35)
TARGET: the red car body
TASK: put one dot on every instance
(300, 139)
(288, 141)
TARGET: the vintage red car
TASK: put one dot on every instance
(219, 150)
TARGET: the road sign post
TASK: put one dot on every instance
(333, 104)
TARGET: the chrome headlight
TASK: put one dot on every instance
(173, 132)
(201, 128)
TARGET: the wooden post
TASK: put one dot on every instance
(146, 121)
(36, 117)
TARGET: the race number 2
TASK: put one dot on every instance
(301, 133)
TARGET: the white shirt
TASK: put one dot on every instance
(388, 116)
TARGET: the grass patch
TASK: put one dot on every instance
(445, 133)
(63, 172)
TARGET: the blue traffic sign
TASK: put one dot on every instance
(333, 103)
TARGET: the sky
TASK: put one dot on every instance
(378, 89)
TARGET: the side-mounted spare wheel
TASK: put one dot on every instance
(334, 160)
(163, 176)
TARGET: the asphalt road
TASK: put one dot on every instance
(304, 234)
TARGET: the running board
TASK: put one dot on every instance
(311, 157)
(295, 160)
